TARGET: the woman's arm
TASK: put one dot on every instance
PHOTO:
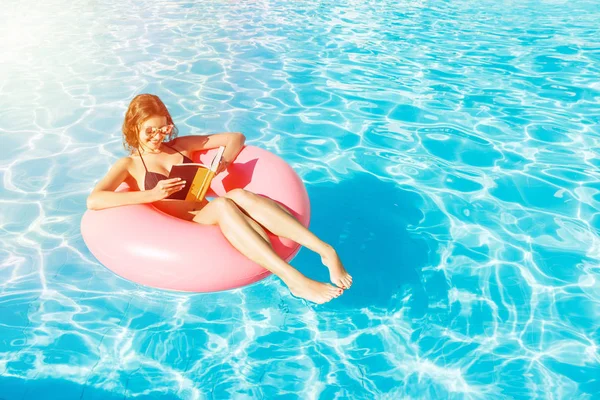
(233, 142)
(104, 196)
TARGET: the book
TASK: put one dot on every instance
(197, 177)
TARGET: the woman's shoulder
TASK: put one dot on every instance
(125, 162)
(128, 159)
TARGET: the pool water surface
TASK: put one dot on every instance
(450, 150)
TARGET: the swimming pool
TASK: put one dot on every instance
(450, 151)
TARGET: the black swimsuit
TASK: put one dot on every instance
(152, 178)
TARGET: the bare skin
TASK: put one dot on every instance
(282, 223)
(241, 215)
(251, 240)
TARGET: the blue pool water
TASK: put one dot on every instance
(451, 153)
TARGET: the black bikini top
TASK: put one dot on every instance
(152, 178)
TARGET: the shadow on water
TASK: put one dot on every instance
(366, 220)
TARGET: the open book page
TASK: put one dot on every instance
(197, 176)
(215, 163)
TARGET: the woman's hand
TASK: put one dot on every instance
(222, 166)
(164, 188)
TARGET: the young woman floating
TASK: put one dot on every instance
(151, 138)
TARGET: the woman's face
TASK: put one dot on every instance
(153, 132)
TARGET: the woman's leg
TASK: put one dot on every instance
(282, 223)
(242, 235)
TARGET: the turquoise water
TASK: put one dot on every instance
(451, 153)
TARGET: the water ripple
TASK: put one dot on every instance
(451, 151)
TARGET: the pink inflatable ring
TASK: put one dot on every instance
(147, 246)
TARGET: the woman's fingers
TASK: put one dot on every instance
(174, 185)
(169, 186)
(177, 188)
(177, 185)
(174, 189)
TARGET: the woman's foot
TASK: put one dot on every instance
(337, 272)
(314, 291)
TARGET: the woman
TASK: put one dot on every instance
(150, 137)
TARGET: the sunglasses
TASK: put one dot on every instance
(153, 131)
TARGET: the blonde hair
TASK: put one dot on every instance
(142, 108)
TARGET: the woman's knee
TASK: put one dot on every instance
(224, 205)
(212, 213)
(216, 211)
(241, 196)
